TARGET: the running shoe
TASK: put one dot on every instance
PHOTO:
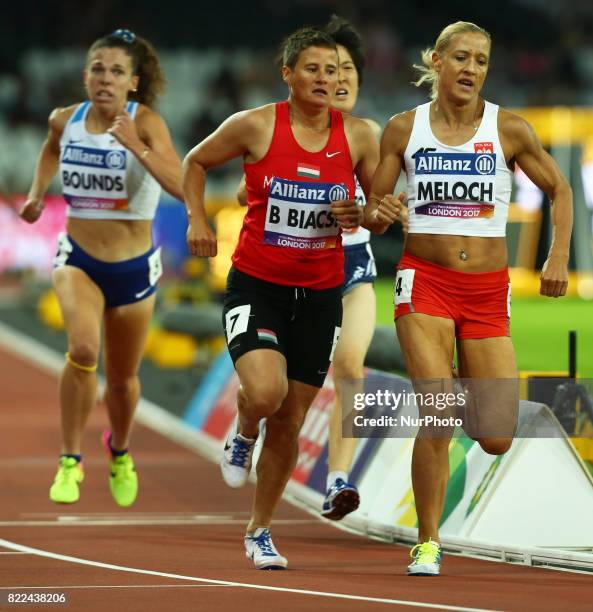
(236, 460)
(123, 480)
(427, 559)
(65, 489)
(341, 499)
(261, 550)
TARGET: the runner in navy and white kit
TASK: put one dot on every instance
(114, 154)
(358, 296)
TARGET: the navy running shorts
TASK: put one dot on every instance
(121, 282)
(359, 266)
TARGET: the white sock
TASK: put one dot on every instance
(333, 476)
(245, 439)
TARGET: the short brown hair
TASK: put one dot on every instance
(302, 39)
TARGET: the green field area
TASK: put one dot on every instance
(539, 328)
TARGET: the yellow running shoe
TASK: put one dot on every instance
(427, 559)
(65, 489)
(123, 480)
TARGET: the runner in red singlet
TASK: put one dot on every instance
(282, 310)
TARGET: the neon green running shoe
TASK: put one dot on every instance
(65, 489)
(427, 559)
(123, 480)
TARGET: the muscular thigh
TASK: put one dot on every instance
(81, 303)
(488, 358)
(126, 328)
(313, 335)
(358, 325)
(489, 368)
(427, 343)
(255, 316)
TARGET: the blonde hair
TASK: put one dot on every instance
(427, 72)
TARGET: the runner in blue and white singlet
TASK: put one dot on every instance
(114, 154)
(101, 179)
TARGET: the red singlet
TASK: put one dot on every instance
(289, 235)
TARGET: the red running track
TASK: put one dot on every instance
(180, 546)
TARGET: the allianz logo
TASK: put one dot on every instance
(456, 163)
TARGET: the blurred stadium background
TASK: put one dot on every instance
(220, 58)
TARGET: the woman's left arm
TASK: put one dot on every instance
(524, 145)
(149, 140)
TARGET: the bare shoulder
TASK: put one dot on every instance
(147, 117)
(401, 124)
(398, 130)
(260, 117)
(375, 127)
(60, 116)
(358, 127)
(516, 134)
(512, 125)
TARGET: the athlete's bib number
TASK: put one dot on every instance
(64, 250)
(236, 321)
(155, 267)
(404, 281)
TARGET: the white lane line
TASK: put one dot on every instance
(123, 568)
(63, 587)
(147, 461)
(113, 515)
(66, 522)
(12, 552)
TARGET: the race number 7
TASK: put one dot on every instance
(237, 321)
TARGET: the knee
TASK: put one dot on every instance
(285, 429)
(432, 445)
(264, 398)
(123, 387)
(348, 367)
(83, 352)
(495, 446)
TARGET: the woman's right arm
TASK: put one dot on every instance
(47, 165)
(232, 139)
(383, 208)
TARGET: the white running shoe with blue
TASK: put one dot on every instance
(341, 499)
(427, 559)
(236, 460)
(261, 550)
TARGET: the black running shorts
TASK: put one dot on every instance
(302, 324)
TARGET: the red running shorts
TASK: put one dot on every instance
(478, 302)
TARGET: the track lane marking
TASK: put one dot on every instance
(122, 568)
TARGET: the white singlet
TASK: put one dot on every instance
(101, 179)
(359, 235)
(458, 190)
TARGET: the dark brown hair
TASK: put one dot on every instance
(345, 34)
(145, 63)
